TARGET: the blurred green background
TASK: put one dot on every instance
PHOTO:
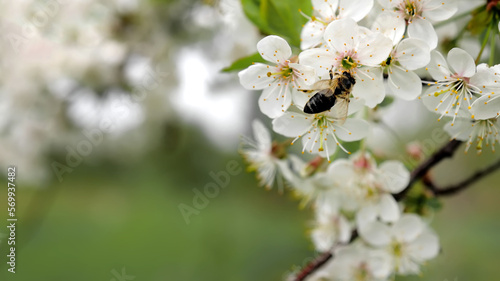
(119, 209)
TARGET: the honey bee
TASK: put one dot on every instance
(333, 92)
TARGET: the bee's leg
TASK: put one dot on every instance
(331, 73)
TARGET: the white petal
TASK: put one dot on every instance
(341, 170)
(460, 130)
(408, 228)
(380, 264)
(389, 209)
(300, 98)
(377, 234)
(486, 107)
(274, 49)
(442, 10)
(423, 29)
(292, 124)
(353, 129)
(261, 135)
(344, 230)
(342, 35)
(404, 84)
(311, 34)
(326, 8)
(369, 86)
(303, 75)
(395, 176)
(355, 105)
(255, 76)
(413, 53)
(425, 247)
(438, 68)
(356, 10)
(313, 141)
(373, 49)
(320, 59)
(366, 216)
(274, 101)
(388, 4)
(391, 25)
(461, 62)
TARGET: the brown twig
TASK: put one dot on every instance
(445, 152)
(453, 189)
(311, 267)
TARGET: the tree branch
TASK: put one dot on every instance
(445, 152)
(453, 189)
(319, 262)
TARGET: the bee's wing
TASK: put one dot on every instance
(339, 110)
(320, 85)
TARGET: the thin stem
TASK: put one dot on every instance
(485, 40)
(453, 189)
(493, 40)
(319, 261)
(452, 19)
(445, 152)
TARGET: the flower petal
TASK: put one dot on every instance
(326, 8)
(320, 59)
(413, 53)
(261, 135)
(373, 49)
(404, 84)
(408, 228)
(395, 176)
(486, 107)
(425, 247)
(255, 76)
(441, 10)
(376, 233)
(391, 25)
(461, 62)
(355, 10)
(274, 49)
(274, 101)
(352, 130)
(369, 86)
(303, 75)
(342, 35)
(423, 29)
(292, 124)
(438, 67)
(389, 209)
(311, 34)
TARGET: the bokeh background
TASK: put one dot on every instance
(145, 77)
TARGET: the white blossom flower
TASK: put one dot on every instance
(367, 188)
(280, 82)
(330, 228)
(263, 156)
(356, 262)
(409, 242)
(407, 55)
(351, 47)
(457, 85)
(488, 105)
(321, 133)
(483, 132)
(417, 13)
(326, 11)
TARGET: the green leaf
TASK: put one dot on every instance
(244, 62)
(278, 17)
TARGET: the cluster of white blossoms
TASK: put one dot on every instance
(391, 49)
